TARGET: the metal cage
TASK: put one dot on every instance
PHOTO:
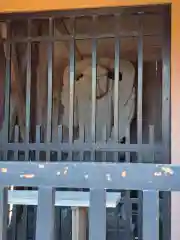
(33, 129)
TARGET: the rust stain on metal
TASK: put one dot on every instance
(3, 170)
(164, 170)
(124, 174)
(167, 170)
(27, 176)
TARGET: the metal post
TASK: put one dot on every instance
(3, 212)
(166, 119)
(49, 90)
(116, 89)
(94, 88)
(71, 90)
(97, 215)
(45, 214)
(139, 117)
(150, 215)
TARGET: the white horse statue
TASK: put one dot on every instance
(104, 100)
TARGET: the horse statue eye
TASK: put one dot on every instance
(111, 75)
(78, 77)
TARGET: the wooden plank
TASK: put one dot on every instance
(79, 222)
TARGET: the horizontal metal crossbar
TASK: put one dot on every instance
(62, 198)
(76, 37)
(97, 146)
(91, 175)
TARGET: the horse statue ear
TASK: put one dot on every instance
(111, 75)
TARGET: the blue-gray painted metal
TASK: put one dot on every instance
(97, 214)
(98, 146)
(3, 213)
(150, 215)
(166, 111)
(92, 175)
(45, 214)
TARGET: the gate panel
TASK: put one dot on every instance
(157, 176)
(57, 109)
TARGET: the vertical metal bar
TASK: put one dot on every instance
(38, 140)
(24, 222)
(166, 89)
(94, 90)
(139, 117)
(16, 140)
(45, 214)
(13, 208)
(140, 87)
(13, 230)
(150, 215)
(97, 215)
(60, 137)
(82, 137)
(104, 154)
(128, 203)
(28, 91)
(3, 212)
(57, 222)
(151, 142)
(116, 87)
(34, 222)
(27, 130)
(127, 154)
(94, 83)
(7, 86)
(49, 90)
(71, 91)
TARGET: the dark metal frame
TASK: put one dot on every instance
(163, 181)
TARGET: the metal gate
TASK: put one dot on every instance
(33, 129)
(123, 176)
